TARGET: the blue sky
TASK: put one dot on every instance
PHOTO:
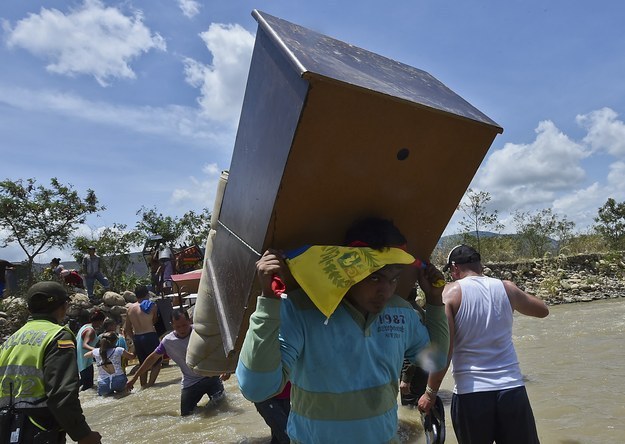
(139, 99)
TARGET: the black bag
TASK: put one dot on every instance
(17, 428)
(12, 425)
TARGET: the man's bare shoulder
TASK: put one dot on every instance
(452, 296)
(134, 309)
(451, 290)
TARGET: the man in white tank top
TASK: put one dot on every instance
(489, 403)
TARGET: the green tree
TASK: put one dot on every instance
(584, 243)
(113, 245)
(151, 222)
(191, 228)
(476, 217)
(196, 227)
(611, 223)
(537, 231)
(39, 218)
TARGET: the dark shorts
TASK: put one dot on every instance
(502, 416)
(190, 396)
(145, 344)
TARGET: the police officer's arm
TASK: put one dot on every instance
(60, 375)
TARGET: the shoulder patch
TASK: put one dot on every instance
(65, 343)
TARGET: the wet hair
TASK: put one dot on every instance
(177, 313)
(96, 316)
(376, 233)
(107, 342)
(56, 260)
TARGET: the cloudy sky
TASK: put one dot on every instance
(139, 99)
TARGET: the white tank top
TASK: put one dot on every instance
(484, 358)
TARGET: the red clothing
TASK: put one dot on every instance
(286, 393)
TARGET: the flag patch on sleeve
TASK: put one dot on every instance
(65, 343)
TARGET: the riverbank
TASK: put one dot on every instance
(556, 280)
(14, 310)
(567, 279)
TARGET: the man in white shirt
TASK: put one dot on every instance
(490, 402)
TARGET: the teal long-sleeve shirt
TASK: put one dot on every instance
(344, 372)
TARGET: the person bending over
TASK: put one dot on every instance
(194, 386)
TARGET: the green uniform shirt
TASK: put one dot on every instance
(60, 377)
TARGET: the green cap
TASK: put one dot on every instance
(45, 297)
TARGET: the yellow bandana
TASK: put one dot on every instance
(325, 273)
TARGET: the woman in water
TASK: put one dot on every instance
(108, 358)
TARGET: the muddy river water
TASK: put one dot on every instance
(573, 362)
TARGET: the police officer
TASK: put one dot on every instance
(39, 377)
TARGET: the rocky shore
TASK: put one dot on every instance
(556, 280)
(14, 311)
(566, 279)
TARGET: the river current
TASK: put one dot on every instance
(573, 362)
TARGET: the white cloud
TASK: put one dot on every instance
(198, 193)
(212, 169)
(605, 132)
(190, 8)
(532, 174)
(179, 195)
(172, 121)
(549, 172)
(222, 84)
(581, 205)
(92, 40)
(616, 177)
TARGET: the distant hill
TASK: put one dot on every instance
(455, 239)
